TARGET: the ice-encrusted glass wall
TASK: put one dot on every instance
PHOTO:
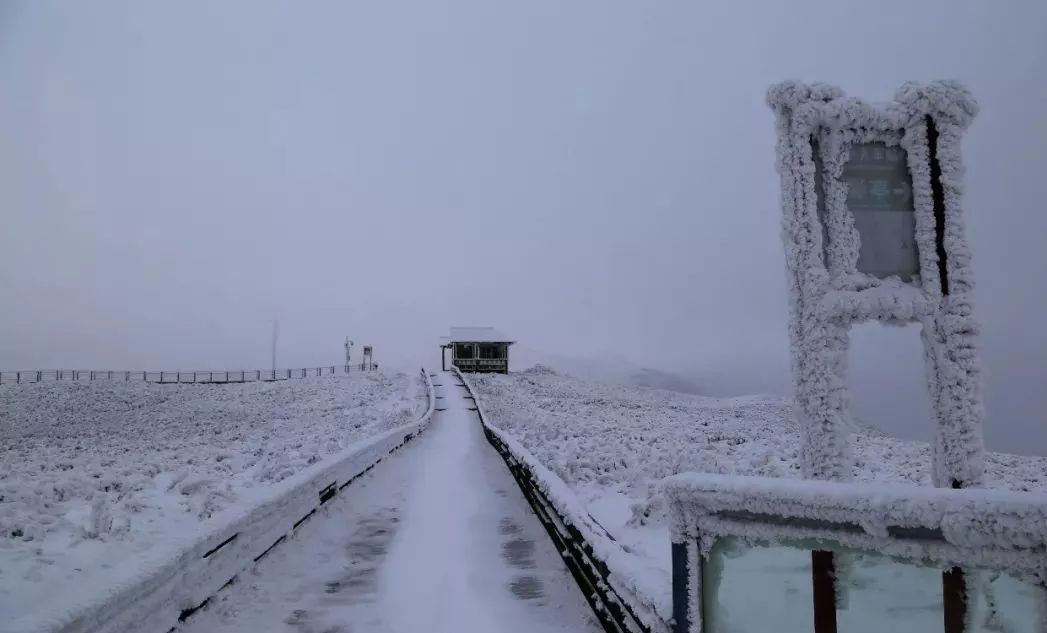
(755, 587)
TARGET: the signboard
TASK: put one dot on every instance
(879, 195)
(900, 168)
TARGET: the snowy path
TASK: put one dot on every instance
(436, 538)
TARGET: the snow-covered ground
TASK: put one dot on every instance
(612, 369)
(612, 443)
(438, 537)
(93, 474)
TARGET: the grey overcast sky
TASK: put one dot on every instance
(593, 176)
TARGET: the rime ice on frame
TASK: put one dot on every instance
(872, 214)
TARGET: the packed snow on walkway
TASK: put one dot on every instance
(94, 474)
(611, 444)
(437, 537)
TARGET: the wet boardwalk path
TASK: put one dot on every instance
(435, 538)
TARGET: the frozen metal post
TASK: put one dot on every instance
(872, 217)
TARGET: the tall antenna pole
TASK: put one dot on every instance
(276, 333)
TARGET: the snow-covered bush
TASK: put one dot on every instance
(625, 439)
(101, 469)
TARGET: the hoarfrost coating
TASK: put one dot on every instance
(997, 528)
(613, 444)
(817, 128)
(630, 581)
(102, 472)
(901, 537)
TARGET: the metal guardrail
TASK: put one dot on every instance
(752, 554)
(589, 571)
(173, 377)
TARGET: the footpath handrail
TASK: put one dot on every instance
(164, 377)
(587, 549)
(177, 579)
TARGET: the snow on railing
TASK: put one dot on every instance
(862, 556)
(591, 554)
(174, 581)
(172, 377)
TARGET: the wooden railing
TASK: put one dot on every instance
(466, 364)
(568, 533)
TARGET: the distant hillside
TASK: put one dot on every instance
(609, 369)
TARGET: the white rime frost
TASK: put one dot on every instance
(979, 528)
(827, 294)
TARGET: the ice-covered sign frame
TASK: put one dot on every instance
(818, 128)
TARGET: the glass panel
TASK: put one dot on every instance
(1002, 603)
(490, 352)
(875, 594)
(749, 589)
(879, 194)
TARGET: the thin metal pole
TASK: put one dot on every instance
(954, 597)
(276, 334)
(823, 574)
